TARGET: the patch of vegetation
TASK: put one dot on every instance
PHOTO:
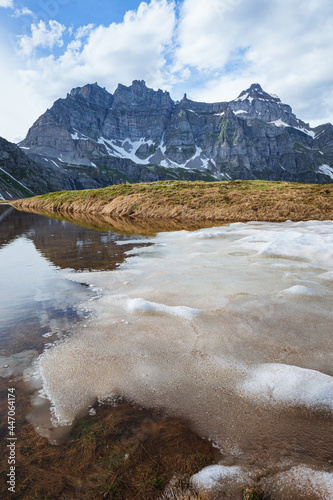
(254, 494)
(235, 200)
(121, 452)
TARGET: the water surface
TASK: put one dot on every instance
(37, 304)
(229, 328)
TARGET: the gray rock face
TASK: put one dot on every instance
(139, 134)
(137, 112)
(20, 176)
(257, 103)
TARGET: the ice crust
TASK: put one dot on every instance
(299, 290)
(199, 324)
(300, 482)
(221, 480)
(278, 383)
(153, 307)
(326, 276)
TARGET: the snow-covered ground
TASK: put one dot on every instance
(219, 327)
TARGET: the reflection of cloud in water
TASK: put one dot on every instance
(18, 364)
(35, 299)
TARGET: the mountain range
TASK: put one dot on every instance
(93, 138)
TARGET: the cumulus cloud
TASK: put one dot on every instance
(42, 35)
(284, 45)
(207, 32)
(133, 49)
(24, 11)
(84, 31)
(7, 4)
(18, 108)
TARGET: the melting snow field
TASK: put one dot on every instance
(230, 328)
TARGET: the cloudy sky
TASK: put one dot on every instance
(211, 49)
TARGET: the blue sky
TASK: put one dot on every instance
(210, 49)
(76, 12)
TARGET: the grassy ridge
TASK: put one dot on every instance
(227, 201)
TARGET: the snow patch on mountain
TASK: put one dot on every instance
(25, 187)
(280, 123)
(326, 170)
(78, 136)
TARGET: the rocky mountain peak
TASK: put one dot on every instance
(133, 94)
(139, 83)
(138, 95)
(92, 94)
(139, 134)
(255, 91)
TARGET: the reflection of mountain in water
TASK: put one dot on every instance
(12, 224)
(36, 301)
(64, 244)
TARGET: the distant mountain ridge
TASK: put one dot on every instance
(20, 176)
(93, 138)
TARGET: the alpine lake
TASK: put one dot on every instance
(134, 350)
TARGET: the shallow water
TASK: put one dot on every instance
(229, 328)
(37, 304)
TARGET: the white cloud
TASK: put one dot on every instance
(286, 46)
(136, 48)
(7, 4)
(42, 35)
(23, 12)
(133, 49)
(208, 31)
(84, 31)
(18, 107)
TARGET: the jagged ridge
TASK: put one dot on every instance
(139, 134)
(20, 176)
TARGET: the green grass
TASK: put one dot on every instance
(236, 200)
(115, 191)
(168, 188)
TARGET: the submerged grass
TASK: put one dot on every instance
(121, 452)
(228, 201)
